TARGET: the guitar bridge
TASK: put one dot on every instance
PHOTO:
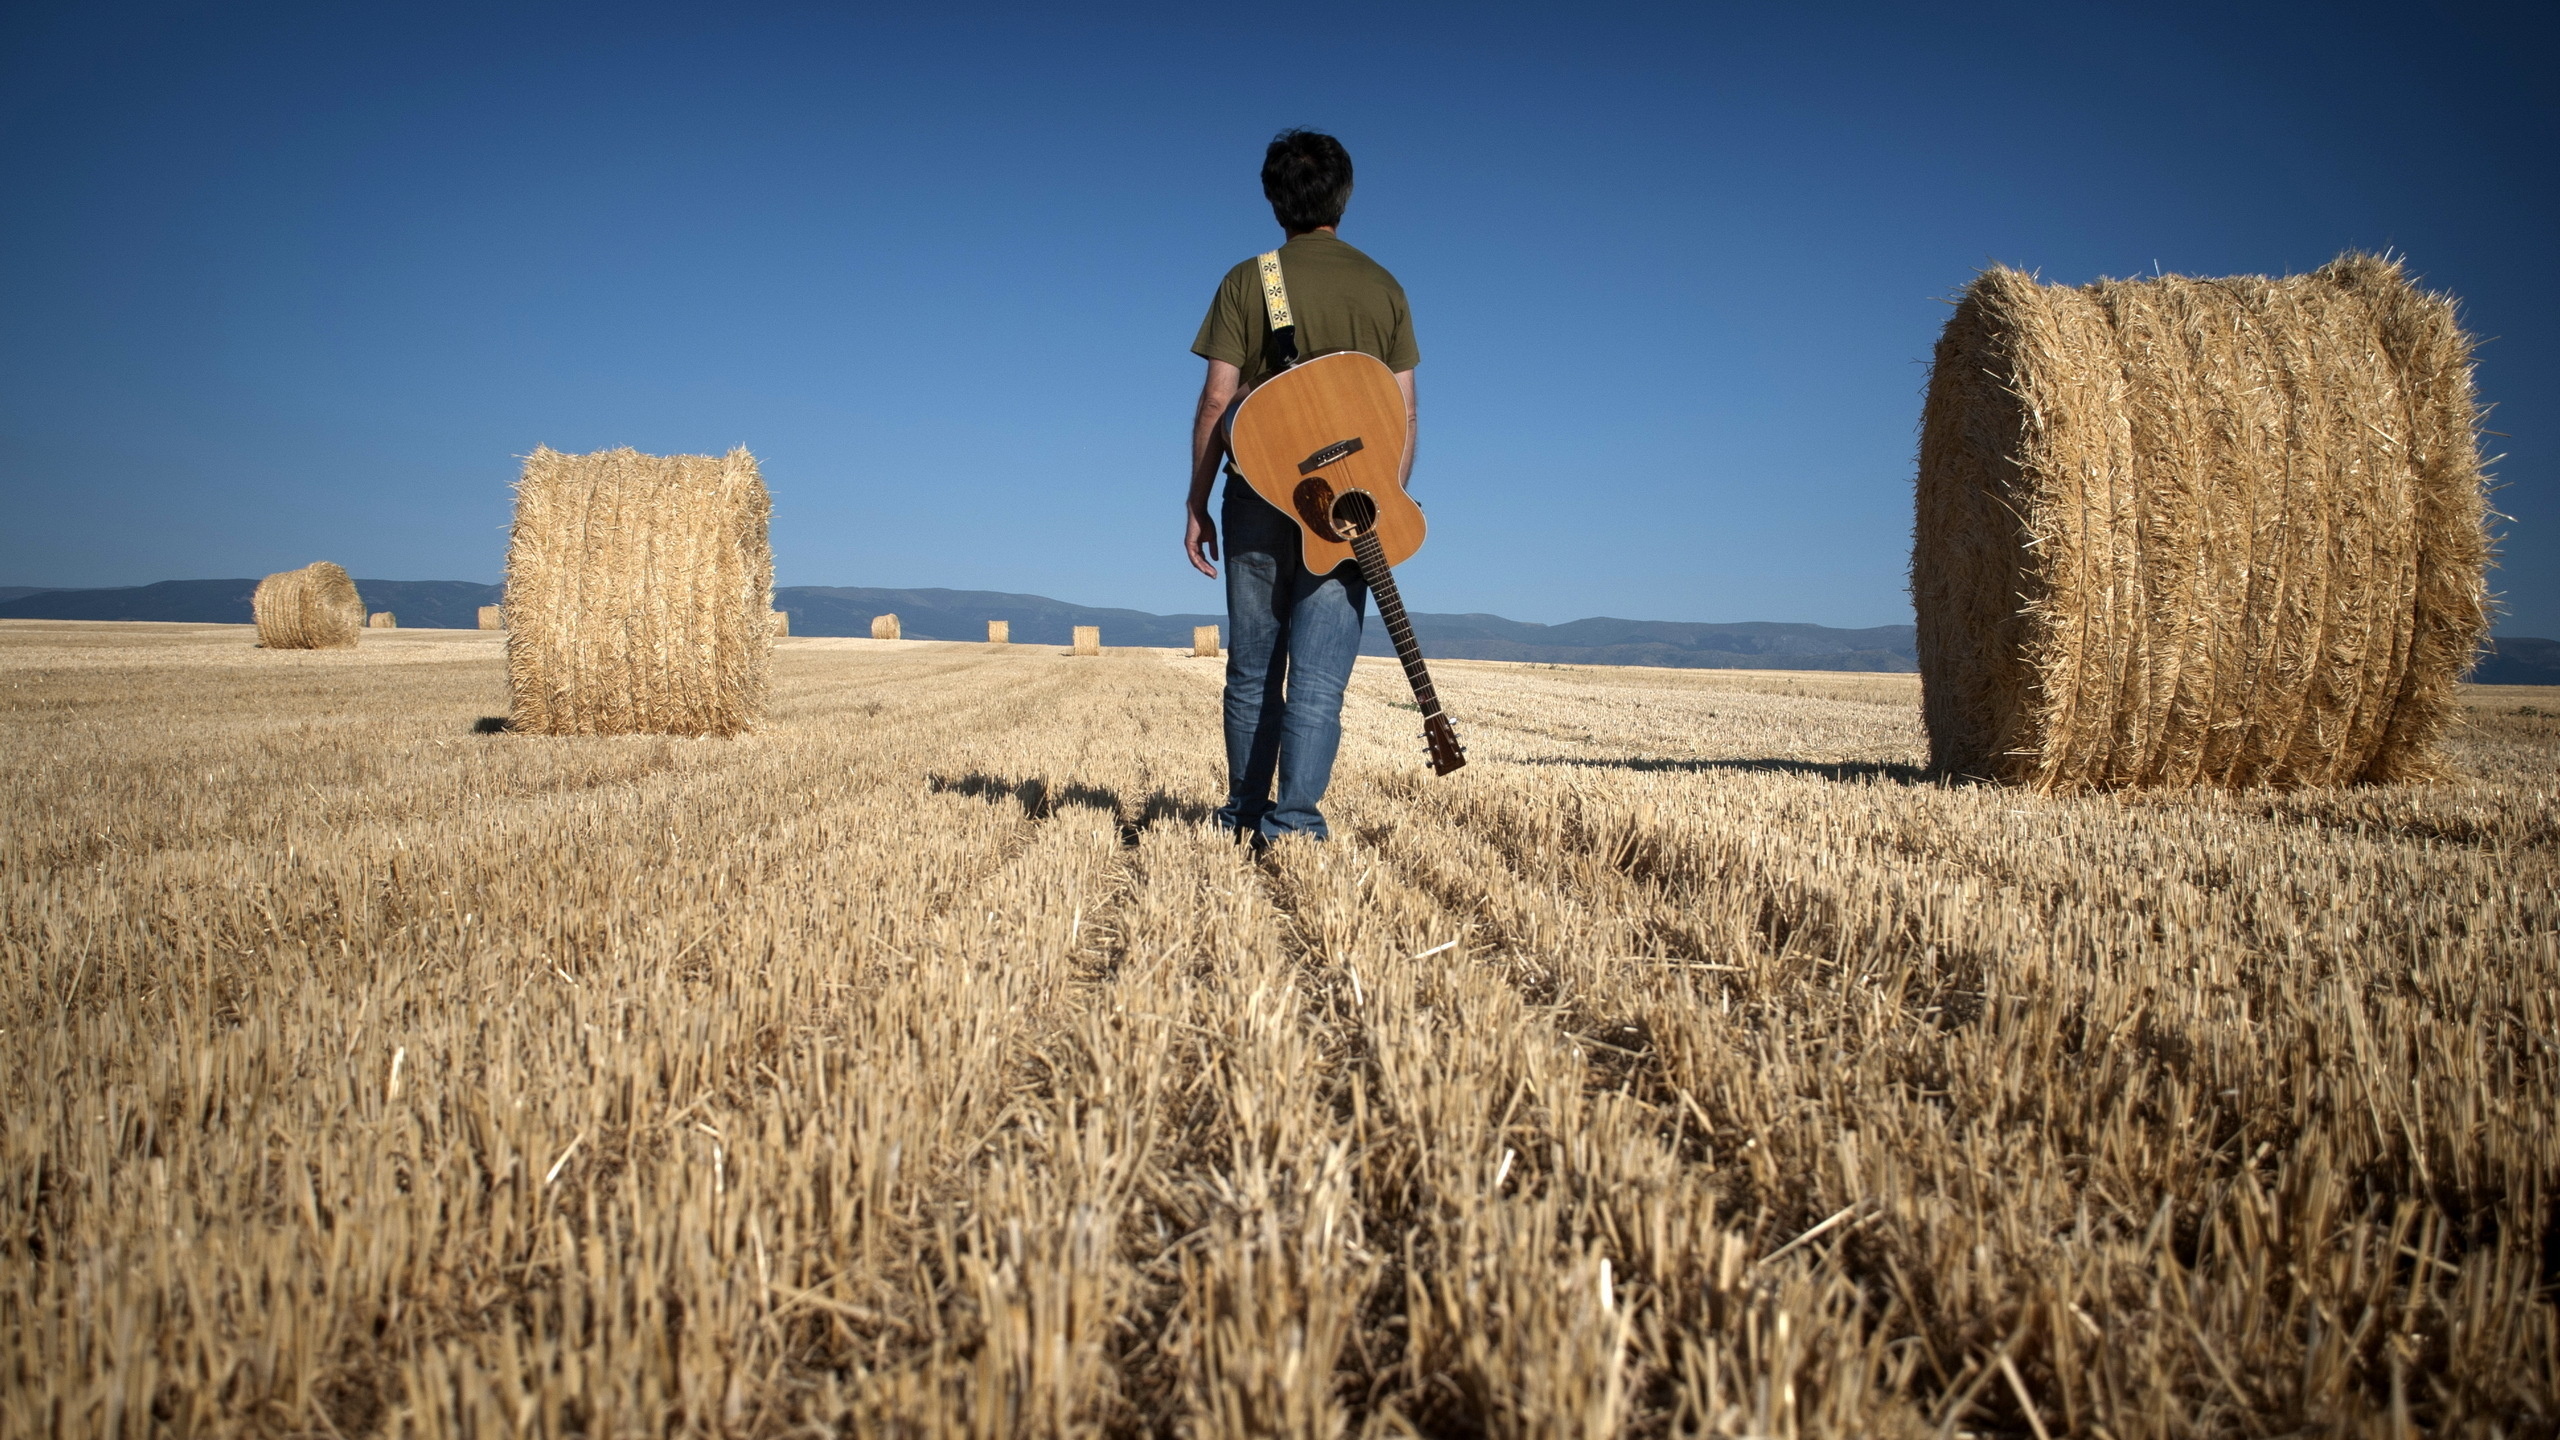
(1329, 454)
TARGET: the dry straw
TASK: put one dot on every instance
(2188, 531)
(638, 588)
(1088, 640)
(493, 617)
(999, 632)
(1204, 641)
(382, 620)
(781, 622)
(313, 608)
(884, 627)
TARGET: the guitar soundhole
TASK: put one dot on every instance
(1354, 512)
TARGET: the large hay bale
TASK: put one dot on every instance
(1204, 641)
(313, 608)
(999, 632)
(1088, 641)
(382, 620)
(493, 617)
(638, 588)
(2191, 531)
(884, 627)
(781, 623)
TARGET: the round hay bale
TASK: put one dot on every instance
(781, 623)
(382, 620)
(638, 594)
(999, 632)
(884, 627)
(493, 617)
(1204, 641)
(1088, 641)
(313, 608)
(2181, 531)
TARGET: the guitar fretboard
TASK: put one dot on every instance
(1382, 583)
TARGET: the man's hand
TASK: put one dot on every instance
(1200, 541)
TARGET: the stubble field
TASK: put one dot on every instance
(924, 1064)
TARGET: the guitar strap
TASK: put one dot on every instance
(1281, 348)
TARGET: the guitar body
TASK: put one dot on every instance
(1319, 431)
(1324, 441)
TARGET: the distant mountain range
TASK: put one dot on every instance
(422, 604)
(1039, 620)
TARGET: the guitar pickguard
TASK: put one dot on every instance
(1315, 508)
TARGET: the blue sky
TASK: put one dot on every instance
(284, 283)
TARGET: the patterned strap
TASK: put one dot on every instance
(1275, 291)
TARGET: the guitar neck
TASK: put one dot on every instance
(1382, 583)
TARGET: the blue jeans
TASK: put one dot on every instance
(1291, 638)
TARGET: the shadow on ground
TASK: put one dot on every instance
(1842, 770)
(1040, 799)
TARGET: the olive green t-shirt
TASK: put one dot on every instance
(1340, 298)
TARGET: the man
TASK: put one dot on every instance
(1291, 635)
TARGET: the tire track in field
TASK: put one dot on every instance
(1042, 1310)
(1479, 1161)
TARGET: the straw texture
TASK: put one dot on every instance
(382, 620)
(999, 632)
(313, 608)
(493, 617)
(2181, 531)
(638, 591)
(1088, 641)
(1204, 641)
(781, 622)
(884, 627)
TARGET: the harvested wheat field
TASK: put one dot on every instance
(921, 1063)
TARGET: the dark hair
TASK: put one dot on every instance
(1306, 175)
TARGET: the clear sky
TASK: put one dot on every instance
(282, 283)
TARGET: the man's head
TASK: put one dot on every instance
(1306, 175)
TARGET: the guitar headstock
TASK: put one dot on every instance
(1442, 743)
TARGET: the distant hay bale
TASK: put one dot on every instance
(313, 608)
(382, 620)
(884, 627)
(2188, 531)
(1204, 641)
(781, 622)
(638, 588)
(1088, 641)
(999, 632)
(493, 617)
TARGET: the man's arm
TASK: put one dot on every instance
(1412, 426)
(1208, 447)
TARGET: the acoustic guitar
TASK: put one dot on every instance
(1324, 442)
